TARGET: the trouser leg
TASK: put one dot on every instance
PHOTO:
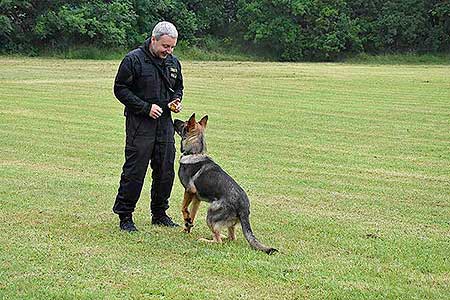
(163, 174)
(138, 151)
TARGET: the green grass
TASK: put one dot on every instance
(347, 168)
(212, 52)
(401, 59)
(213, 49)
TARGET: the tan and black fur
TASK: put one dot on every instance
(204, 180)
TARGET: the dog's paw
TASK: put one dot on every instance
(187, 228)
(188, 225)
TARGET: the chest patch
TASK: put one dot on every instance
(173, 72)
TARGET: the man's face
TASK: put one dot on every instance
(163, 47)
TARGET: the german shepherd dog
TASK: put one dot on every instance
(204, 180)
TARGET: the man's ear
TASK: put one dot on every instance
(178, 125)
(191, 122)
(203, 121)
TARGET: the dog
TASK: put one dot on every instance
(204, 180)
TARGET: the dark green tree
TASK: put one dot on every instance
(98, 23)
(299, 29)
(439, 37)
(286, 29)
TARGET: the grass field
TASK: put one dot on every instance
(347, 168)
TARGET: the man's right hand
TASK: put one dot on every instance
(155, 111)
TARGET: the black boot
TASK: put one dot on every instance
(126, 223)
(163, 220)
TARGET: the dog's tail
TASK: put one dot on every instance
(248, 233)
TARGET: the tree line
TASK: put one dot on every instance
(289, 30)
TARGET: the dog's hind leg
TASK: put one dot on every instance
(216, 238)
(231, 233)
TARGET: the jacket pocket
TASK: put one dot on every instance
(150, 86)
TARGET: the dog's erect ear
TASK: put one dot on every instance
(203, 121)
(178, 125)
(191, 122)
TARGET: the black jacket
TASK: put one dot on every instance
(139, 84)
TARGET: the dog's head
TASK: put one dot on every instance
(192, 135)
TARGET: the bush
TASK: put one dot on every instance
(439, 37)
(91, 23)
(289, 30)
(296, 30)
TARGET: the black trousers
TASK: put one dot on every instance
(147, 141)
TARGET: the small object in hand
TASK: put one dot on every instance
(175, 105)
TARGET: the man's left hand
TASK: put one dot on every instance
(175, 105)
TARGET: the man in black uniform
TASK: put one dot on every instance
(150, 85)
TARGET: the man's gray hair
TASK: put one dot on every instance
(164, 28)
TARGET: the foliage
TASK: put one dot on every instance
(395, 25)
(311, 29)
(95, 22)
(439, 38)
(285, 29)
(151, 12)
(194, 19)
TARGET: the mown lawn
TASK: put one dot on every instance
(347, 167)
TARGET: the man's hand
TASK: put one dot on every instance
(175, 105)
(155, 111)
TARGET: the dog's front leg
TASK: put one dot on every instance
(184, 209)
(195, 204)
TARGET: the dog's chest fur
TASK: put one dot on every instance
(192, 167)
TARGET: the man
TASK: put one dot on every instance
(150, 85)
